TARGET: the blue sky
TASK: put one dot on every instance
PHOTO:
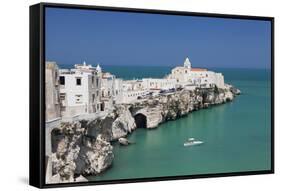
(118, 38)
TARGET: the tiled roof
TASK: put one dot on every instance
(198, 69)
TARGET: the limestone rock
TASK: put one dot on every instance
(172, 106)
(100, 126)
(123, 141)
(81, 179)
(98, 158)
(78, 154)
(124, 123)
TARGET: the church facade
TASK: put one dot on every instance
(187, 76)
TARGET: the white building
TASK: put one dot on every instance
(188, 76)
(131, 96)
(133, 85)
(111, 91)
(107, 90)
(80, 90)
(118, 91)
(158, 83)
(52, 91)
(52, 103)
(133, 89)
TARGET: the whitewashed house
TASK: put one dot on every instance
(80, 90)
(111, 90)
(158, 83)
(107, 90)
(131, 96)
(132, 90)
(133, 85)
(136, 89)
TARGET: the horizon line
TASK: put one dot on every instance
(219, 67)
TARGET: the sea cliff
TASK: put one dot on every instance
(84, 147)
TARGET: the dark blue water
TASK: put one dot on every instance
(236, 135)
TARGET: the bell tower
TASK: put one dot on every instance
(98, 68)
(187, 63)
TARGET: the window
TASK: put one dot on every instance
(93, 97)
(62, 96)
(93, 81)
(78, 99)
(78, 81)
(62, 80)
(97, 82)
(97, 93)
(102, 106)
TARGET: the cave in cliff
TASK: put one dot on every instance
(140, 120)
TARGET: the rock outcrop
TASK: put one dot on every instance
(78, 154)
(124, 122)
(172, 106)
(124, 141)
(84, 147)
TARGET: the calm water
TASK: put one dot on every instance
(236, 134)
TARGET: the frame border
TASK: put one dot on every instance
(37, 158)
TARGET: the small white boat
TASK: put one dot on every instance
(191, 142)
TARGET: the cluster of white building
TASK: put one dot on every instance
(88, 90)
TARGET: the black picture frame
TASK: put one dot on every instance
(37, 161)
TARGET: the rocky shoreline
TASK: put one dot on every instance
(84, 147)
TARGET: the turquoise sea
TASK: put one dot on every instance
(236, 135)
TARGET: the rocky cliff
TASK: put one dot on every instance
(174, 105)
(78, 154)
(84, 148)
